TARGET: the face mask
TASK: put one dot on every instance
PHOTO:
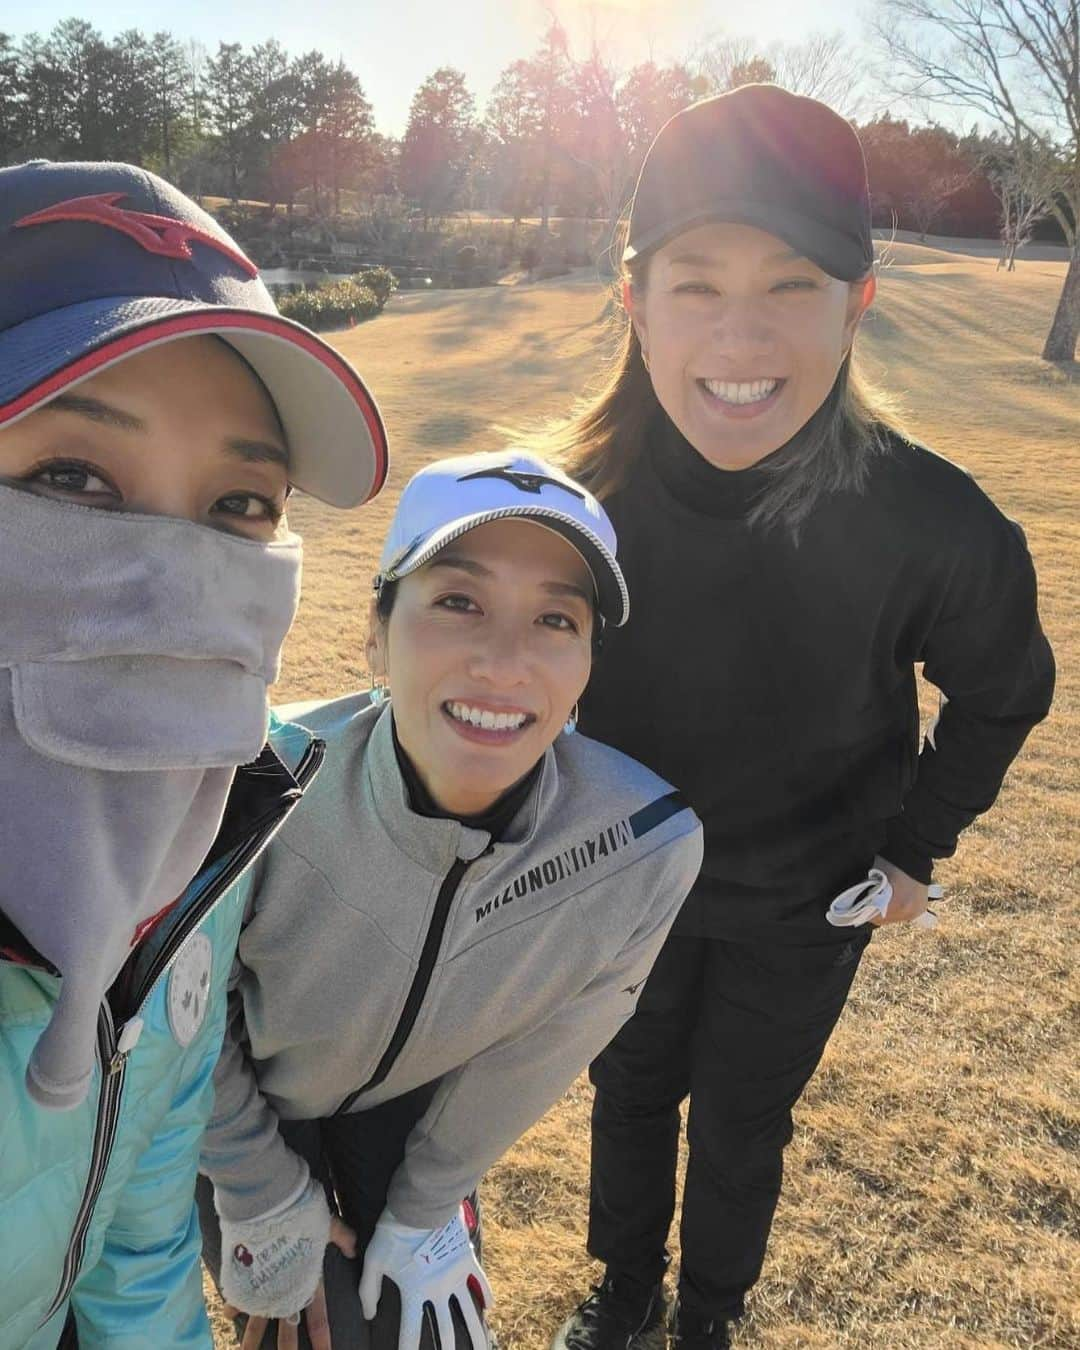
(135, 655)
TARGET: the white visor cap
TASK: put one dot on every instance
(452, 496)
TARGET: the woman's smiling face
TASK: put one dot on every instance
(744, 338)
(184, 430)
(486, 651)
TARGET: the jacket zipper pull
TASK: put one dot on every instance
(129, 1038)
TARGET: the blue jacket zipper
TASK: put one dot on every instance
(114, 1061)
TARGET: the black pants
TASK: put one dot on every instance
(740, 1028)
(355, 1157)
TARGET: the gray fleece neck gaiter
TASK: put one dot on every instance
(135, 655)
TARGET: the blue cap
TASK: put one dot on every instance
(98, 261)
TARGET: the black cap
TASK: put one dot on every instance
(764, 157)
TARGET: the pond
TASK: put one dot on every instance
(291, 276)
(408, 278)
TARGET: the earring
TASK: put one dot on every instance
(570, 725)
(378, 694)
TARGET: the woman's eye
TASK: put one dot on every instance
(695, 288)
(73, 477)
(462, 603)
(249, 506)
(562, 622)
(796, 284)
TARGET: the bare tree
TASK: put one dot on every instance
(821, 66)
(1017, 63)
(941, 168)
(718, 57)
(1024, 189)
(931, 196)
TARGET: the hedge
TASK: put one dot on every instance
(342, 302)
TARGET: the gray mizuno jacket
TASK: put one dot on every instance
(384, 950)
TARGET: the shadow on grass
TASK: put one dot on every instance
(448, 429)
(1033, 371)
(531, 365)
(879, 324)
(450, 337)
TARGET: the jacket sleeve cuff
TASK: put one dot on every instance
(265, 1189)
(903, 852)
(407, 1206)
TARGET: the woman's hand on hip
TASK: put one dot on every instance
(909, 897)
(429, 1266)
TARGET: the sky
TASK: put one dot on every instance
(393, 45)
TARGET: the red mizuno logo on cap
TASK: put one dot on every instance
(157, 234)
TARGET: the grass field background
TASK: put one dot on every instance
(932, 1194)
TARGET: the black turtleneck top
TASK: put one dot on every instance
(495, 821)
(773, 681)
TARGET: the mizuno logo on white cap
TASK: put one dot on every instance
(526, 482)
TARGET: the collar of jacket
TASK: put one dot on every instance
(258, 789)
(432, 843)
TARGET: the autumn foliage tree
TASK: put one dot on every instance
(914, 172)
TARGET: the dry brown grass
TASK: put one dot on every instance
(932, 1187)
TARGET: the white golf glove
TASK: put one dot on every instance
(428, 1266)
(869, 899)
(271, 1266)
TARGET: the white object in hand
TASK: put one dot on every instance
(428, 1266)
(869, 899)
(272, 1265)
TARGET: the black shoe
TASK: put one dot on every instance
(692, 1332)
(619, 1314)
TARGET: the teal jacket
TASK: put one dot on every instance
(97, 1219)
